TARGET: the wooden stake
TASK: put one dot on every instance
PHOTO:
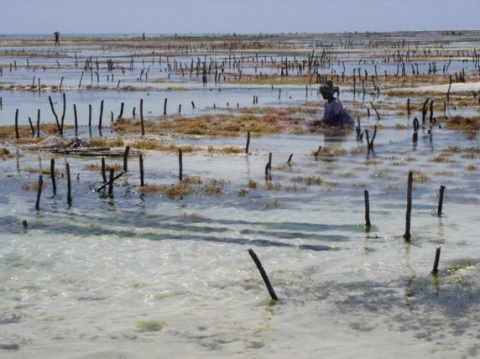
(101, 115)
(268, 168)
(437, 260)
(370, 142)
(431, 113)
(64, 96)
(424, 110)
(69, 186)
(80, 82)
(367, 209)
(449, 88)
(38, 123)
(248, 142)
(142, 124)
(39, 192)
(376, 112)
(75, 117)
(440, 201)
(416, 125)
(120, 115)
(104, 177)
(31, 127)
(358, 129)
(180, 163)
(142, 183)
(409, 206)
(354, 81)
(89, 116)
(263, 274)
(125, 159)
(52, 176)
(110, 183)
(17, 136)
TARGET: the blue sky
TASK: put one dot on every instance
(238, 16)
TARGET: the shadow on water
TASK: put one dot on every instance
(169, 227)
(293, 235)
(429, 311)
(194, 224)
(182, 233)
(335, 141)
(11, 225)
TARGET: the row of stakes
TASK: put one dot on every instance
(268, 167)
(60, 120)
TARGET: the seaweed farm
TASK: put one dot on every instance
(139, 176)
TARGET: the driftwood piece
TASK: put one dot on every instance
(95, 151)
(57, 145)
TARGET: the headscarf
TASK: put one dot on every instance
(328, 87)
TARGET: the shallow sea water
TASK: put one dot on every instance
(147, 276)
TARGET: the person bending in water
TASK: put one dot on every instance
(335, 114)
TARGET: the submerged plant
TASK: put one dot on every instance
(214, 187)
(5, 153)
(273, 203)
(31, 187)
(106, 142)
(96, 167)
(147, 326)
(419, 176)
(43, 171)
(273, 186)
(252, 184)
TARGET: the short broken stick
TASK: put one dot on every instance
(110, 182)
(437, 260)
